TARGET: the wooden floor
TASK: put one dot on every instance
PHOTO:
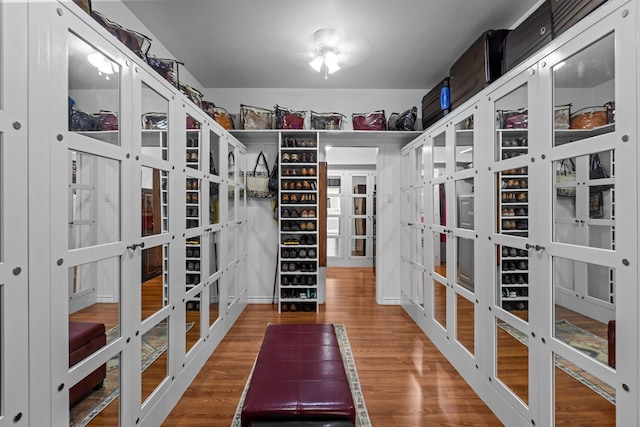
(405, 380)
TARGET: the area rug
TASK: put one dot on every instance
(154, 343)
(362, 416)
(583, 341)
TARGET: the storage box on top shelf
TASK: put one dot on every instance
(477, 67)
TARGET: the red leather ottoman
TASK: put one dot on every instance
(611, 341)
(299, 376)
(85, 339)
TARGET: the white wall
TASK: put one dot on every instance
(351, 156)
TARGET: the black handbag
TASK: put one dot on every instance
(273, 180)
(596, 170)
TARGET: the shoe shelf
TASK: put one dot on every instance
(192, 203)
(193, 260)
(513, 143)
(193, 148)
(298, 214)
(514, 278)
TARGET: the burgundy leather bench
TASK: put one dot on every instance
(85, 339)
(299, 379)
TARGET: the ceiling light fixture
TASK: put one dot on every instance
(326, 52)
(101, 62)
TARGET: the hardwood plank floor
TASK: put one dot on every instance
(406, 381)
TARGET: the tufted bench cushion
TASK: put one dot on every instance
(298, 376)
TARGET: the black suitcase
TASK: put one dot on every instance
(530, 36)
(435, 104)
(479, 66)
(565, 13)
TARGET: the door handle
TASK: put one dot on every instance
(136, 245)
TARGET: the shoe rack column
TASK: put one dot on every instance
(298, 264)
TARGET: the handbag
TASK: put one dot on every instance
(328, 121)
(258, 179)
(136, 42)
(231, 166)
(596, 171)
(273, 180)
(596, 204)
(289, 119)
(375, 120)
(566, 174)
(255, 117)
(403, 121)
(167, 68)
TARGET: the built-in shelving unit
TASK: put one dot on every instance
(298, 196)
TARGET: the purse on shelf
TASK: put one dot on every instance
(566, 174)
(289, 119)
(258, 179)
(137, 42)
(167, 68)
(326, 121)
(589, 118)
(374, 120)
(513, 119)
(223, 118)
(403, 121)
(154, 121)
(252, 118)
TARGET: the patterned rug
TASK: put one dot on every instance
(154, 343)
(362, 416)
(583, 341)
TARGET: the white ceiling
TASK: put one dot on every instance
(400, 44)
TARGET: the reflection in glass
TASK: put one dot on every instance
(513, 280)
(464, 195)
(192, 202)
(192, 329)
(419, 282)
(419, 194)
(512, 359)
(214, 203)
(359, 247)
(193, 252)
(232, 244)
(513, 193)
(214, 153)
(440, 254)
(333, 247)
(465, 263)
(214, 252)
(154, 203)
(360, 226)
(154, 358)
(231, 163)
(512, 122)
(439, 204)
(230, 279)
(107, 385)
(94, 293)
(576, 391)
(464, 144)
(155, 116)
(155, 278)
(465, 314)
(359, 205)
(439, 156)
(574, 325)
(94, 200)
(193, 155)
(231, 205)
(419, 166)
(440, 303)
(214, 300)
(584, 93)
(584, 215)
(359, 184)
(94, 91)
